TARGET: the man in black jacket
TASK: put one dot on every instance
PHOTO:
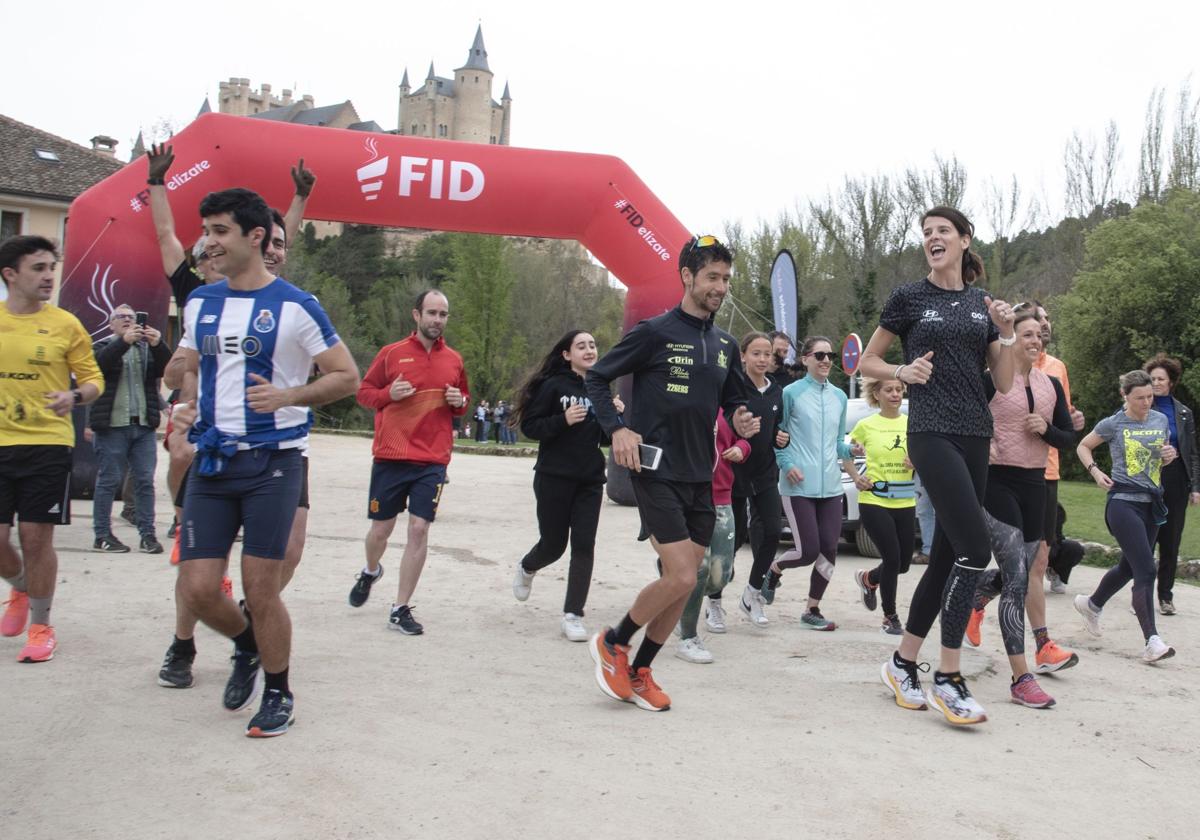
(123, 422)
(684, 369)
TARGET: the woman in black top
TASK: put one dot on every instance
(756, 480)
(553, 409)
(950, 332)
(1180, 478)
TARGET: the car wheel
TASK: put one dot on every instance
(866, 545)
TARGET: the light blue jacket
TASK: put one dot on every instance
(814, 416)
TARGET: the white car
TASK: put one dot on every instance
(852, 529)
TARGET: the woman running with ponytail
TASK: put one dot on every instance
(553, 409)
(814, 416)
(1029, 419)
(1139, 441)
(888, 507)
(756, 479)
(950, 332)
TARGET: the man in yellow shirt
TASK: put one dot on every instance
(41, 347)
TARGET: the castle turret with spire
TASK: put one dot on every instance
(460, 107)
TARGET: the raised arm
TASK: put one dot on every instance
(160, 158)
(304, 180)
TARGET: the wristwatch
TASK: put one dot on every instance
(78, 395)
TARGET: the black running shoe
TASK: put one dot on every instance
(362, 587)
(402, 619)
(277, 713)
(176, 671)
(150, 545)
(128, 515)
(242, 688)
(110, 544)
(174, 527)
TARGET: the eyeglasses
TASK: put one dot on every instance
(121, 316)
(822, 356)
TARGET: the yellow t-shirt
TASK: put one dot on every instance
(886, 443)
(38, 353)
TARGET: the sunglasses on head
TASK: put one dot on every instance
(706, 241)
(822, 355)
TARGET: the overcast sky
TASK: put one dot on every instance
(727, 110)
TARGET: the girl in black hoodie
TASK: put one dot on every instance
(553, 409)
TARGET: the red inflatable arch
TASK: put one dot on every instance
(381, 179)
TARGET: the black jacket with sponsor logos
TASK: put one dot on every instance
(684, 369)
(563, 450)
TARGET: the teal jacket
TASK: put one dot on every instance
(814, 416)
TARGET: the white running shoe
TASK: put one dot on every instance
(953, 699)
(522, 583)
(905, 683)
(1091, 617)
(693, 650)
(573, 629)
(1157, 649)
(751, 604)
(714, 617)
(1056, 584)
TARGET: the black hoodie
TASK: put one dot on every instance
(684, 369)
(564, 450)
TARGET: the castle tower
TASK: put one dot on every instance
(504, 118)
(405, 88)
(473, 96)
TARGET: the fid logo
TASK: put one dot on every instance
(635, 220)
(463, 182)
(370, 176)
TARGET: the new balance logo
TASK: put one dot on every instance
(277, 474)
(208, 319)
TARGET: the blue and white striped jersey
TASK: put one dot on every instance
(274, 332)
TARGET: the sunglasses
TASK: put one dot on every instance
(706, 241)
(822, 356)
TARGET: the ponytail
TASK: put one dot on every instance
(972, 267)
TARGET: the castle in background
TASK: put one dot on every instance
(459, 108)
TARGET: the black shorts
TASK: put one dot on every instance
(397, 486)
(1050, 525)
(672, 511)
(303, 487)
(35, 484)
(257, 491)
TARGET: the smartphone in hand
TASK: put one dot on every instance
(650, 456)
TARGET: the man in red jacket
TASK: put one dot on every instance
(416, 387)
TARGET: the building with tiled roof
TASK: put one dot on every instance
(42, 173)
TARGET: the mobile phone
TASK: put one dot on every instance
(650, 456)
(141, 318)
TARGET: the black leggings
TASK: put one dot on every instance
(566, 506)
(1015, 509)
(766, 524)
(891, 529)
(1132, 523)
(1175, 494)
(953, 469)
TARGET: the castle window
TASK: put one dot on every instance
(493, 140)
(414, 129)
(441, 131)
(476, 80)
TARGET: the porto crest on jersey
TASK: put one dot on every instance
(265, 322)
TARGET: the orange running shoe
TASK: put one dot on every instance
(1052, 658)
(646, 692)
(175, 548)
(41, 644)
(973, 627)
(612, 667)
(227, 587)
(16, 611)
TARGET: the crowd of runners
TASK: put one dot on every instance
(722, 442)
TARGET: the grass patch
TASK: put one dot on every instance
(1084, 503)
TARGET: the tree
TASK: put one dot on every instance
(1185, 142)
(480, 286)
(1150, 166)
(1091, 171)
(1138, 294)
